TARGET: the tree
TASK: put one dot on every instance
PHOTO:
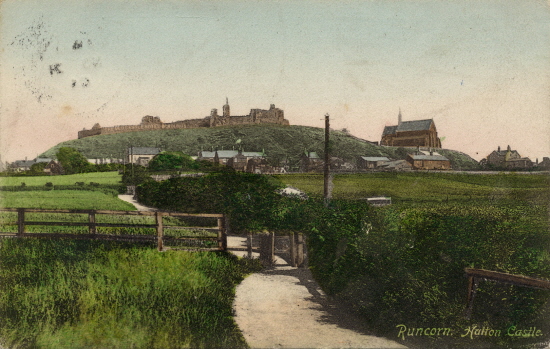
(72, 160)
(38, 168)
(172, 160)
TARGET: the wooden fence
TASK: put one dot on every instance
(92, 225)
(474, 275)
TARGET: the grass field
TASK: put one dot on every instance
(429, 187)
(63, 199)
(96, 177)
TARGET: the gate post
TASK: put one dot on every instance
(291, 238)
(267, 246)
(299, 250)
(160, 231)
(249, 245)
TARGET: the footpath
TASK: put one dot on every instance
(283, 307)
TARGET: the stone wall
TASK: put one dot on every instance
(256, 116)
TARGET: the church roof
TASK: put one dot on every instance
(389, 130)
(415, 125)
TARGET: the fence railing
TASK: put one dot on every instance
(474, 275)
(22, 222)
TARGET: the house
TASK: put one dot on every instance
(311, 162)
(236, 159)
(141, 155)
(417, 133)
(431, 161)
(508, 159)
(54, 168)
(371, 162)
(544, 164)
(396, 165)
(21, 165)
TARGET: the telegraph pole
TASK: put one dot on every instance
(327, 191)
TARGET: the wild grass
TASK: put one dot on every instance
(94, 294)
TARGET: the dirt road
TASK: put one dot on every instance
(283, 307)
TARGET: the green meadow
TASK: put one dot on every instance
(105, 294)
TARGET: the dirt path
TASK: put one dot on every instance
(138, 206)
(283, 307)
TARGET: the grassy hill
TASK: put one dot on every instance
(279, 143)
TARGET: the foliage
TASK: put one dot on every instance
(247, 198)
(72, 160)
(94, 294)
(406, 266)
(282, 144)
(172, 160)
(38, 168)
(134, 174)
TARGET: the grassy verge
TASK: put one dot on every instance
(93, 294)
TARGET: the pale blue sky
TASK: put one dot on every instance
(480, 69)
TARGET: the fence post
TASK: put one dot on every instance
(222, 234)
(249, 245)
(160, 231)
(292, 249)
(20, 221)
(299, 250)
(91, 220)
(267, 248)
(472, 287)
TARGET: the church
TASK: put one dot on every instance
(416, 133)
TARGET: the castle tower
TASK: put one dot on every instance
(226, 112)
(399, 117)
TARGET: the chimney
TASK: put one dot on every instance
(498, 149)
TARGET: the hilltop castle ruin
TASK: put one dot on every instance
(256, 116)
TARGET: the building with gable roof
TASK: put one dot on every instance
(416, 133)
(141, 155)
(506, 159)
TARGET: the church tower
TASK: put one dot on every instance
(226, 112)
(399, 117)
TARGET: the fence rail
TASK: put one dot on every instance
(474, 275)
(92, 225)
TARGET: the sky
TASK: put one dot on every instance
(479, 69)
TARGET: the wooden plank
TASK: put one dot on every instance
(519, 280)
(178, 227)
(86, 236)
(158, 218)
(131, 213)
(85, 224)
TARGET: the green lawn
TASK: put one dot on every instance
(64, 199)
(96, 177)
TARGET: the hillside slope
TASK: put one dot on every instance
(279, 142)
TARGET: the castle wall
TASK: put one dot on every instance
(256, 116)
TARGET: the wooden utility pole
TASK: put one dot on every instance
(327, 190)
